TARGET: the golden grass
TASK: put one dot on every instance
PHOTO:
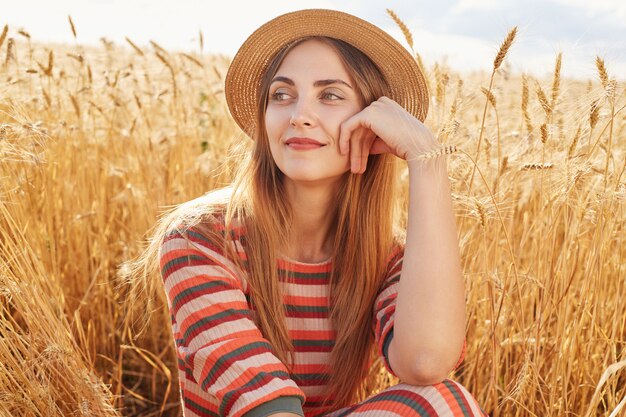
(95, 143)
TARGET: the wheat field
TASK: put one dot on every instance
(95, 142)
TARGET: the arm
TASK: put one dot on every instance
(431, 287)
(217, 341)
(430, 312)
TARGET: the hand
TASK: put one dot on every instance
(383, 126)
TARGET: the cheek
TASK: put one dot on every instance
(275, 149)
(334, 121)
(274, 120)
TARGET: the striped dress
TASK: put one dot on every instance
(227, 368)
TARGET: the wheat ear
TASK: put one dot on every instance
(405, 30)
(3, 35)
(442, 150)
(504, 48)
(135, 47)
(604, 76)
(72, 25)
(556, 81)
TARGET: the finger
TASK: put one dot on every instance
(365, 149)
(379, 146)
(342, 134)
(344, 137)
(353, 146)
(347, 129)
(355, 142)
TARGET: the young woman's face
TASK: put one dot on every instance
(309, 97)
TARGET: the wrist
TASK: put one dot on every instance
(432, 166)
(437, 152)
(428, 177)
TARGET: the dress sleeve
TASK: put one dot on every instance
(385, 308)
(217, 341)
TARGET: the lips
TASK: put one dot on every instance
(303, 141)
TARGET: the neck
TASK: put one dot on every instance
(313, 208)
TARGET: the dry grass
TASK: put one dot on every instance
(95, 143)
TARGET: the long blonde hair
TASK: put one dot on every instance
(364, 225)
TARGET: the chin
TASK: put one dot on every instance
(304, 178)
(312, 178)
(321, 170)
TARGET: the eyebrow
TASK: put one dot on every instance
(318, 83)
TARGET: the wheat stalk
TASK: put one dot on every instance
(72, 25)
(158, 48)
(561, 126)
(442, 150)
(24, 33)
(609, 86)
(48, 70)
(604, 76)
(418, 57)
(482, 213)
(537, 166)
(490, 96)
(3, 35)
(192, 59)
(46, 97)
(543, 100)
(488, 152)
(525, 114)
(524, 93)
(504, 48)
(572, 146)
(409, 39)
(9, 55)
(171, 68)
(556, 80)
(405, 30)
(75, 105)
(135, 47)
(441, 80)
(504, 165)
(77, 57)
(544, 133)
(508, 41)
(594, 114)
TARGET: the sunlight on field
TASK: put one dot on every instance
(94, 143)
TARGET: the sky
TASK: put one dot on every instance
(465, 34)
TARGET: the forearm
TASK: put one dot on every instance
(429, 325)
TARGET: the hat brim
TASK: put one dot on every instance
(400, 69)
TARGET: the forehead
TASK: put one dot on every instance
(313, 56)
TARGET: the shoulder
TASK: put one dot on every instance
(202, 215)
(203, 221)
(201, 233)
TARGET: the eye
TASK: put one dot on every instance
(278, 96)
(328, 95)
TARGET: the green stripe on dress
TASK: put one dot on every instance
(458, 396)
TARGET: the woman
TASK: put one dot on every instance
(286, 288)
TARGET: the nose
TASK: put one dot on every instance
(302, 114)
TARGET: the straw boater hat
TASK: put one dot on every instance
(403, 74)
